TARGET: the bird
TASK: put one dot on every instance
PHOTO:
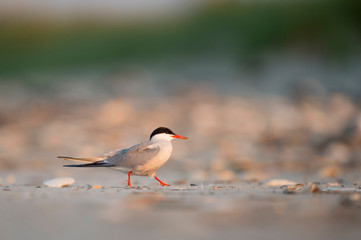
(143, 159)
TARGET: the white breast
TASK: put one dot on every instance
(150, 167)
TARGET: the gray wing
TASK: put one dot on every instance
(134, 156)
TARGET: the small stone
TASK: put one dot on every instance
(333, 184)
(314, 188)
(295, 187)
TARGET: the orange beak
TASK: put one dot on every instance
(179, 136)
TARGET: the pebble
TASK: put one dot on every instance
(333, 184)
(314, 188)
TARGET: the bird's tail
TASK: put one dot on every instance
(94, 162)
(94, 159)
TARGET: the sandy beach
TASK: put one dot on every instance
(196, 210)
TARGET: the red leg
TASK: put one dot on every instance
(163, 184)
(129, 184)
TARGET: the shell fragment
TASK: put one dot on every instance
(59, 182)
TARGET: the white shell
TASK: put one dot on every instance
(59, 182)
(277, 182)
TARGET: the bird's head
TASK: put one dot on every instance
(165, 133)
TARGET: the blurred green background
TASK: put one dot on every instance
(243, 31)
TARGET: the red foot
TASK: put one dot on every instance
(162, 183)
(129, 184)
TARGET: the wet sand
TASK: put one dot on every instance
(193, 210)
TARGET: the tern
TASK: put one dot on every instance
(142, 159)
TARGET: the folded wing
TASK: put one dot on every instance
(135, 156)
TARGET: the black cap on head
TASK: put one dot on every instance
(161, 130)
